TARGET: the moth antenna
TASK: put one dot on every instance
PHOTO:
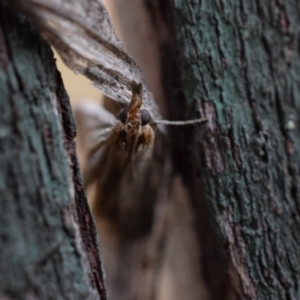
(180, 123)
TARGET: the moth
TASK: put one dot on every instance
(119, 152)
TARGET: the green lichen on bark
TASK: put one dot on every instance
(241, 59)
(41, 255)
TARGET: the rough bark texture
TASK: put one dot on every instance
(237, 63)
(243, 61)
(48, 245)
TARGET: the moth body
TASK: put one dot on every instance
(117, 165)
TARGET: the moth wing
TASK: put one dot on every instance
(94, 125)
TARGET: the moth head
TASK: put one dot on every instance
(135, 121)
(145, 116)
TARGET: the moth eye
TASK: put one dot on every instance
(122, 115)
(145, 116)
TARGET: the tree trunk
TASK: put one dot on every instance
(48, 245)
(235, 63)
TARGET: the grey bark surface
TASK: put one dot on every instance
(49, 248)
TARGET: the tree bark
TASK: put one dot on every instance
(48, 240)
(233, 222)
(237, 64)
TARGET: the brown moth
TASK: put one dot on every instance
(118, 154)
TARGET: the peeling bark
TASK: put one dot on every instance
(49, 246)
(82, 34)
